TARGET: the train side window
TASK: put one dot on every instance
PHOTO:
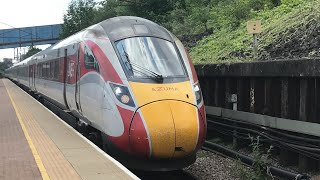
(37, 71)
(56, 70)
(47, 70)
(51, 69)
(41, 70)
(90, 62)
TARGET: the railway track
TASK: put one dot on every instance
(231, 128)
(170, 175)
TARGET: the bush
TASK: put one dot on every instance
(261, 162)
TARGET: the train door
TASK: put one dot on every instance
(34, 76)
(32, 70)
(78, 75)
(65, 74)
(30, 76)
(91, 86)
(71, 79)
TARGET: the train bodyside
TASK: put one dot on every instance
(149, 119)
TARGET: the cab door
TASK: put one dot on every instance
(71, 79)
(90, 90)
(78, 76)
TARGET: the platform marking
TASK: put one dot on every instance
(35, 154)
(118, 164)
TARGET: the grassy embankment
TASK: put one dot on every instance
(289, 30)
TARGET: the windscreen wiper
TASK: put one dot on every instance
(142, 70)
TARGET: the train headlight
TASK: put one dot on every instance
(122, 94)
(117, 91)
(125, 99)
(198, 94)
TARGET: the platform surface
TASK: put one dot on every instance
(36, 144)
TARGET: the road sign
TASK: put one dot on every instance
(254, 27)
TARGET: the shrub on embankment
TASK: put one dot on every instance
(290, 30)
(215, 30)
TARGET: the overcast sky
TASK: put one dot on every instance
(25, 13)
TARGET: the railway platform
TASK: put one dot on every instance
(37, 144)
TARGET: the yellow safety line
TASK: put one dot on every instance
(35, 154)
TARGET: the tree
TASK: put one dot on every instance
(80, 15)
(200, 14)
(155, 10)
(4, 65)
(276, 2)
(31, 51)
(107, 9)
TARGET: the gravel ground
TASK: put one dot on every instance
(212, 166)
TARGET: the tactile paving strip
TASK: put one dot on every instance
(16, 160)
(71, 157)
(54, 162)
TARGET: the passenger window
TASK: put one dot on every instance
(56, 70)
(90, 61)
(52, 65)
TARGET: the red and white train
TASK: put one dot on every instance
(133, 82)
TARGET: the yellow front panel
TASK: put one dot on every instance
(171, 123)
(161, 129)
(146, 92)
(186, 126)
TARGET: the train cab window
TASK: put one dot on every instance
(149, 56)
(90, 61)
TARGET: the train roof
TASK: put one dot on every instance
(130, 26)
(115, 29)
(24, 62)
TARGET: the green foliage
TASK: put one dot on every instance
(155, 10)
(183, 17)
(107, 10)
(4, 66)
(80, 15)
(225, 20)
(231, 43)
(261, 161)
(31, 51)
(83, 13)
(201, 154)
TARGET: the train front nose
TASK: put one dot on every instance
(172, 129)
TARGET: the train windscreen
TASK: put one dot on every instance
(150, 56)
